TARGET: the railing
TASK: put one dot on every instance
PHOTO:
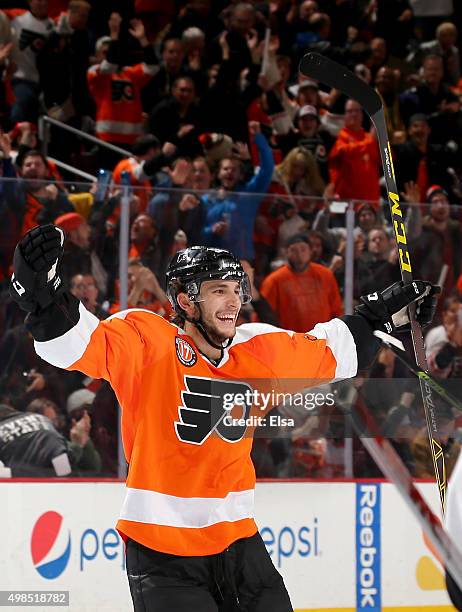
(45, 121)
(72, 169)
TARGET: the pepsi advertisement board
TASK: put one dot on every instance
(338, 545)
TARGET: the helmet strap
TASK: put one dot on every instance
(199, 324)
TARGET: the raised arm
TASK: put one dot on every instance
(344, 345)
(262, 179)
(65, 333)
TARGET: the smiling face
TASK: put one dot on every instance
(220, 308)
(220, 303)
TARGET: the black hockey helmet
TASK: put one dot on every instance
(190, 267)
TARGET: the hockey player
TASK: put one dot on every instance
(187, 518)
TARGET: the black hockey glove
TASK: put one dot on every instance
(36, 282)
(387, 310)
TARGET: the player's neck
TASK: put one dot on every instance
(203, 346)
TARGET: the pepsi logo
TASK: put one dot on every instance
(50, 545)
(185, 352)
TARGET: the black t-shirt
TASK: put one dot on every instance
(28, 444)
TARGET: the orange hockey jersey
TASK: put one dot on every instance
(190, 485)
(118, 100)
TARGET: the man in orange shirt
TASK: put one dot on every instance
(302, 293)
(187, 519)
(116, 89)
(354, 160)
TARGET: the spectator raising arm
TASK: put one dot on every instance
(116, 89)
(262, 179)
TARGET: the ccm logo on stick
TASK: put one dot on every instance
(400, 232)
(368, 572)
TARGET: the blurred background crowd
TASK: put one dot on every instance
(214, 138)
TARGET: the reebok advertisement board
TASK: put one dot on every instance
(338, 545)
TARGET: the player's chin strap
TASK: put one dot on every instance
(200, 326)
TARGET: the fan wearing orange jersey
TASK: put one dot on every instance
(188, 519)
(302, 293)
(116, 89)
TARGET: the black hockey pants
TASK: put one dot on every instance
(242, 578)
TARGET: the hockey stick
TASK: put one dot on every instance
(398, 348)
(392, 466)
(329, 72)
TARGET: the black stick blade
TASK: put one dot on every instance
(335, 75)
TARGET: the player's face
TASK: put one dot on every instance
(220, 305)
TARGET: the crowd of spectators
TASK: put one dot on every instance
(228, 146)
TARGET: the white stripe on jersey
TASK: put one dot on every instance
(341, 342)
(155, 508)
(65, 350)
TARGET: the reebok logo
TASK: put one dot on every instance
(368, 579)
